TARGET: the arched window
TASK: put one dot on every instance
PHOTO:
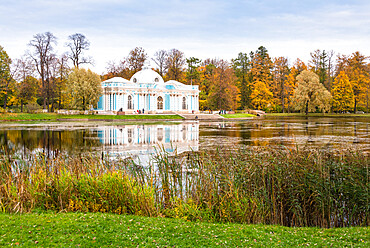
(159, 102)
(130, 104)
(156, 80)
(184, 103)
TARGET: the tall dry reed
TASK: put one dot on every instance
(291, 187)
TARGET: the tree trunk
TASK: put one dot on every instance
(307, 108)
(21, 106)
(355, 108)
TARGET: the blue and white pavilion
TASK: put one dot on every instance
(146, 90)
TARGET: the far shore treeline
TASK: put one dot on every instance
(328, 82)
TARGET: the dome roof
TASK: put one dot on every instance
(147, 76)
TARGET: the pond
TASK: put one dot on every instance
(140, 141)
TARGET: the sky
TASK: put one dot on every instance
(199, 28)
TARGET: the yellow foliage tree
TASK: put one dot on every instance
(343, 98)
(310, 93)
(84, 88)
(261, 95)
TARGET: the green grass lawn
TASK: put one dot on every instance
(237, 115)
(54, 117)
(109, 230)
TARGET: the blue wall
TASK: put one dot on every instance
(167, 102)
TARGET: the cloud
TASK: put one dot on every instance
(202, 28)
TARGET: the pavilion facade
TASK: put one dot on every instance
(146, 91)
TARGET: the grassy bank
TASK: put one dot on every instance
(315, 115)
(103, 230)
(289, 187)
(238, 115)
(54, 117)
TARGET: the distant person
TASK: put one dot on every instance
(143, 111)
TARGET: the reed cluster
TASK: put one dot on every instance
(290, 187)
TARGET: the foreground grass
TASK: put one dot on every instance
(110, 230)
(54, 117)
(238, 115)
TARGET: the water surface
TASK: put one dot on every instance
(140, 141)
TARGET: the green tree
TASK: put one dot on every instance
(84, 88)
(192, 72)
(6, 79)
(343, 98)
(241, 66)
(310, 94)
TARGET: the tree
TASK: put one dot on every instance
(291, 82)
(310, 94)
(261, 95)
(42, 57)
(77, 44)
(319, 64)
(84, 88)
(280, 73)
(241, 66)
(358, 77)
(192, 72)
(136, 59)
(160, 58)
(261, 76)
(27, 90)
(223, 93)
(5, 75)
(342, 93)
(174, 64)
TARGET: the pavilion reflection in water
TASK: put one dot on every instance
(142, 141)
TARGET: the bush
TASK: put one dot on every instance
(32, 107)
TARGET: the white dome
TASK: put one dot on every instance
(147, 76)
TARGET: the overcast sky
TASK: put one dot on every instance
(199, 28)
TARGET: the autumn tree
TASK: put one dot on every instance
(241, 66)
(160, 59)
(342, 93)
(27, 90)
(62, 71)
(117, 69)
(206, 77)
(261, 78)
(291, 82)
(84, 88)
(42, 57)
(77, 44)
(5, 76)
(280, 75)
(223, 92)
(310, 94)
(359, 77)
(136, 59)
(27, 85)
(175, 65)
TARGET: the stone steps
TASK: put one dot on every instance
(202, 116)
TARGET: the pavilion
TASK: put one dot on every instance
(146, 91)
